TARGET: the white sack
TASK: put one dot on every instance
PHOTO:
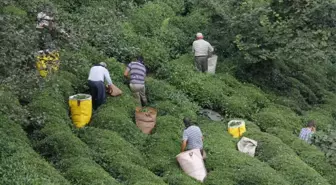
(247, 146)
(192, 163)
(212, 62)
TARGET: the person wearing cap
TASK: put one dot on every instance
(192, 137)
(99, 73)
(136, 71)
(201, 49)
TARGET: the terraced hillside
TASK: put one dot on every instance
(40, 145)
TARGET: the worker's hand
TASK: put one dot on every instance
(110, 89)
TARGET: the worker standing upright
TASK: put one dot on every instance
(136, 71)
(99, 73)
(202, 50)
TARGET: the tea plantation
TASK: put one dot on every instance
(275, 70)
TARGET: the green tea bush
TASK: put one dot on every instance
(56, 141)
(41, 105)
(284, 160)
(168, 100)
(118, 119)
(210, 91)
(110, 146)
(324, 119)
(225, 163)
(131, 173)
(310, 154)
(148, 19)
(178, 177)
(82, 170)
(277, 116)
(163, 146)
(20, 164)
(10, 106)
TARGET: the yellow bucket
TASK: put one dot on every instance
(81, 109)
(236, 128)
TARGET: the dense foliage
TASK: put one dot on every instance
(276, 71)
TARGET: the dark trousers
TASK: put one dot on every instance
(201, 63)
(98, 93)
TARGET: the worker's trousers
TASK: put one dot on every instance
(139, 93)
(201, 63)
(98, 93)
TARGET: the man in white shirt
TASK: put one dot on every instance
(99, 73)
(201, 49)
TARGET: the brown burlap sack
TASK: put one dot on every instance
(116, 91)
(145, 120)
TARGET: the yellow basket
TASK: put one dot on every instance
(236, 128)
(81, 109)
(48, 63)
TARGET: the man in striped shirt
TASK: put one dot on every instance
(136, 71)
(306, 133)
(192, 137)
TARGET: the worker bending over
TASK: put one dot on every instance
(99, 73)
(192, 137)
(307, 133)
(136, 71)
(48, 30)
(202, 50)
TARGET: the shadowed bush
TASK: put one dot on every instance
(20, 164)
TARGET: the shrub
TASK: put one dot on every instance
(164, 144)
(10, 106)
(19, 162)
(84, 171)
(57, 142)
(214, 93)
(117, 118)
(295, 171)
(148, 19)
(162, 147)
(325, 141)
(277, 116)
(168, 100)
(323, 118)
(308, 153)
(110, 146)
(225, 163)
(284, 160)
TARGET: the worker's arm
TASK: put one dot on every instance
(211, 49)
(183, 145)
(109, 81)
(193, 47)
(127, 70)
